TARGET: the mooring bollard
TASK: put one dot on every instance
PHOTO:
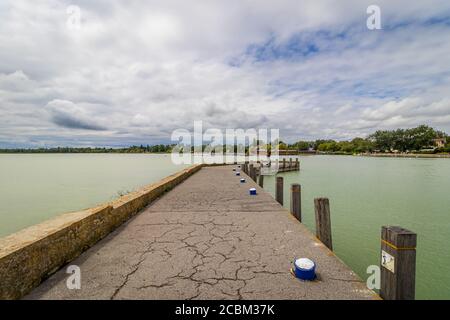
(296, 201)
(279, 190)
(323, 221)
(398, 263)
(261, 181)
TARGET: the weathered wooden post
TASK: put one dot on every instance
(279, 190)
(257, 173)
(297, 164)
(323, 221)
(251, 168)
(261, 180)
(398, 263)
(296, 201)
(290, 163)
(284, 163)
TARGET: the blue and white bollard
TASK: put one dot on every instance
(242, 180)
(252, 192)
(305, 269)
(238, 173)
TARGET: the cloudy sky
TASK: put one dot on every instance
(133, 71)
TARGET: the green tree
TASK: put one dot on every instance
(301, 145)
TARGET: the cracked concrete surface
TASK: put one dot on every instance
(207, 239)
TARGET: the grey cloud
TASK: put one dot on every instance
(68, 121)
(66, 114)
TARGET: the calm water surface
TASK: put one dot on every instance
(366, 193)
(35, 187)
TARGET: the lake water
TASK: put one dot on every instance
(366, 193)
(36, 187)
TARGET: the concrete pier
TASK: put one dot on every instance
(207, 239)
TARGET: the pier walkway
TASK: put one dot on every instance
(207, 239)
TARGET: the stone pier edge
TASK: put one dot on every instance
(31, 255)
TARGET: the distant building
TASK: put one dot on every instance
(287, 152)
(439, 142)
(262, 151)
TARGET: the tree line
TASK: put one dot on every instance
(414, 140)
(159, 148)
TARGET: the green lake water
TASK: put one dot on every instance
(367, 193)
(36, 187)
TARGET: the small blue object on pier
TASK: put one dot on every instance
(252, 192)
(305, 269)
(238, 173)
(242, 180)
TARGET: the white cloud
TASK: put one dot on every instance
(135, 71)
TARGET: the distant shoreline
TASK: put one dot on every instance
(375, 155)
(31, 152)
(406, 155)
(389, 155)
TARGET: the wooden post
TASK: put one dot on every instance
(261, 181)
(252, 171)
(296, 201)
(398, 263)
(279, 190)
(284, 163)
(257, 173)
(323, 221)
(297, 164)
(290, 163)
